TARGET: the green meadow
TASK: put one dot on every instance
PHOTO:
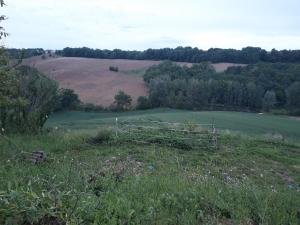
(93, 177)
(229, 122)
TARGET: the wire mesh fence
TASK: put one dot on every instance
(167, 133)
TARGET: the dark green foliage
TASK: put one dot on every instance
(102, 136)
(67, 99)
(122, 101)
(143, 102)
(25, 53)
(188, 54)
(269, 100)
(39, 93)
(114, 68)
(251, 88)
(167, 69)
(26, 99)
(293, 95)
(89, 107)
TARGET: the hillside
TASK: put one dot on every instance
(143, 170)
(92, 79)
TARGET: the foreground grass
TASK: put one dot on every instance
(244, 181)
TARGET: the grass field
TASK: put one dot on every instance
(101, 179)
(236, 122)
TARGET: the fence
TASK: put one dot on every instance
(147, 131)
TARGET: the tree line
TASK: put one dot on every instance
(16, 53)
(264, 86)
(246, 55)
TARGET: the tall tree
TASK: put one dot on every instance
(293, 95)
(269, 100)
(122, 100)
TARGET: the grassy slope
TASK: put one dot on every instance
(245, 181)
(248, 123)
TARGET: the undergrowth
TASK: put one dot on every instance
(244, 181)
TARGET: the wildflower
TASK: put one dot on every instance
(46, 116)
(8, 161)
(2, 129)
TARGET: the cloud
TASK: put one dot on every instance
(142, 24)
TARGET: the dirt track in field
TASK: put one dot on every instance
(92, 80)
(221, 67)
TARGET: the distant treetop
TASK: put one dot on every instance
(188, 54)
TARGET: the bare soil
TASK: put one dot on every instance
(295, 117)
(92, 80)
(221, 67)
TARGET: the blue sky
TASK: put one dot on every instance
(142, 24)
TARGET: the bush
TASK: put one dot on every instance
(30, 98)
(122, 101)
(90, 107)
(114, 68)
(103, 136)
(143, 102)
(67, 99)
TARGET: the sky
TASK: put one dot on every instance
(143, 24)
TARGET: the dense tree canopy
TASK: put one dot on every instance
(257, 87)
(66, 99)
(24, 53)
(188, 54)
(293, 95)
(143, 102)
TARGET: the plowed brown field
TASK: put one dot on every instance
(92, 80)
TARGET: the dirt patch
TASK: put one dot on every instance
(118, 168)
(295, 117)
(221, 67)
(49, 220)
(286, 178)
(92, 79)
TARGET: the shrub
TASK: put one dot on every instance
(67, 99)
(103, 136)
(114, 68)
(143, 102)
(32, 97)
(90, 107)
(122, 101)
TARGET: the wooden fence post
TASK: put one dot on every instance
(116, 127)
(213, 131)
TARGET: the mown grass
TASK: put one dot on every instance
(253, 124)
(244, 181)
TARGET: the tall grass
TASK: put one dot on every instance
(109, 182)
